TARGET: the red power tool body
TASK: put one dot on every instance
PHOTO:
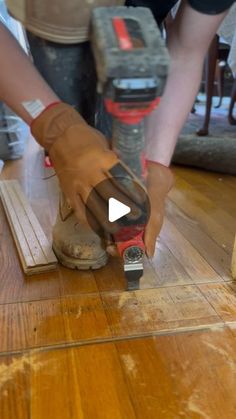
(132, 66)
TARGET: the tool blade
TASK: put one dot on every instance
(133, 273)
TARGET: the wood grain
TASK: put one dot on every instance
(194, 264)
(52, 322)
(88, 383)
(217, 224)
(15, 390)
(168, 268)
(190, 375)
(158, 310)
(16, 287)
(233, 263)
(76, 345)
(186, 376)
(205, 245)
(214, 186)
(223, 298)
(34, 249)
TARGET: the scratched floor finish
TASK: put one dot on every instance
(76, 345)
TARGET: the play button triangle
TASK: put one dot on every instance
(117, 209)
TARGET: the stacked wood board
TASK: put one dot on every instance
(34, 249)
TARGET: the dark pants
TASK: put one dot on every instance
(70, 71)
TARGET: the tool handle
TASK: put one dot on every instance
(128, 143)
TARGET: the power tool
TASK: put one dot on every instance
(132, 65)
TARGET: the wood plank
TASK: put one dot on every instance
(215, 222)
(90, 318)
(34, 249)
(158, 310)
(150, 278)
(52, 322)
(43, 195)
(85, 319)
(83, 325)
(26, 325)
(209, 206)
(206, 246)
(222, 297)
(86, 382)
(190, 375)
(41, 192)
(191, 260)
(15, 286)
(17, 232)
(168, 269)
(15, 386)
(75, 282)
(214, 186)
(15, 192)
(187, 375)
(233, 263)
(28, 167)
(112, 278)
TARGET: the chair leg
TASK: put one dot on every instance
(231, 119)
(220, 84)
(210, 77)
(233, 265)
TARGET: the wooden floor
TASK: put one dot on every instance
(76, 345)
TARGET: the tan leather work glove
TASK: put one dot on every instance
(159, 182)
(82, 159)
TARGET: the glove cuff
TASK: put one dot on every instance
(53, 122)
(156, 162)
(161, 174)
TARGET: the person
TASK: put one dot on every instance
(81, 154)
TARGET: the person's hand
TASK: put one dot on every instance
(82, 160)
(159, 181)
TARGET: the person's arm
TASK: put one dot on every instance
(19, 80)
(80, 154)
(189, 38)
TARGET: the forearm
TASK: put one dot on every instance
(19, 80)
(189, 39)
(165, 123)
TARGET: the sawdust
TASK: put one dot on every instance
(124, 297)
(225, 353)
(145, 316)
(192, 406)
(218, 327)
(232, 325)
(79, 312)
(17, 365)
(221, 351)
(130, 364)
(76, 313)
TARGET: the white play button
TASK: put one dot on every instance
(117, 209)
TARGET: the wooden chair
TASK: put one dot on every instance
(213, 55)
